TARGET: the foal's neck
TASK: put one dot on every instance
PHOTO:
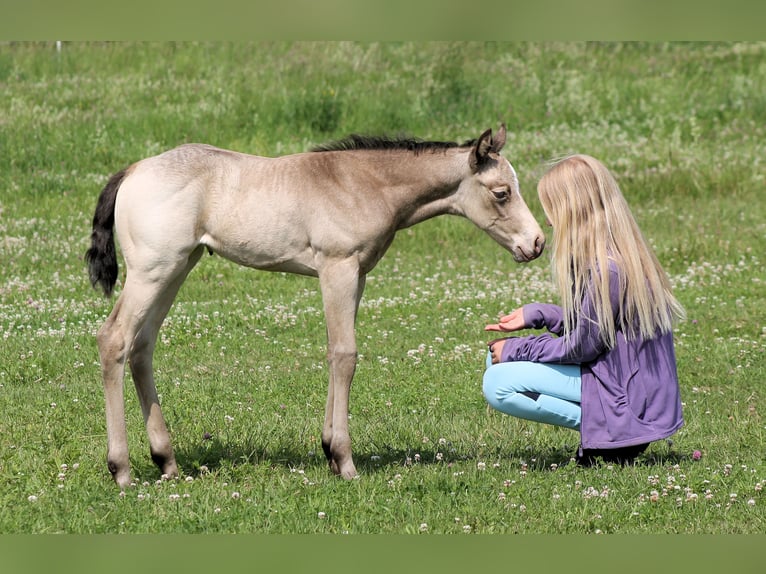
(429, 182)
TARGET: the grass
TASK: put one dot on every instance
(240, 361)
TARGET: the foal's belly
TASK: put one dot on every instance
(269, 254)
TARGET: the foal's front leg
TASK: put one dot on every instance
(342, 287)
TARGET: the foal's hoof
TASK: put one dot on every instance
(170, 471)
(347, 472)
(120, 475)
(166, 463)
(351, 475)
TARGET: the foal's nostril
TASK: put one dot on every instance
(539, 244)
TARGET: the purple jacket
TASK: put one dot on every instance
(630, 393)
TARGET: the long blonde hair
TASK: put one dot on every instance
(593, 226)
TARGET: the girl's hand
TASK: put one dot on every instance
(511, 322)
(496, 350)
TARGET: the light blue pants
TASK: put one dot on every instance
(540, 392)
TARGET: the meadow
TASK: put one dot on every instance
(240, 363)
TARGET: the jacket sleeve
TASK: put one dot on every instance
(583, 345)
(544, 316)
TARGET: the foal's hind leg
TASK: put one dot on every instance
(140, 360)
(112, 349)
(115, 338)
(142, 299)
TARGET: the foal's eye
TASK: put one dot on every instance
(501, 194)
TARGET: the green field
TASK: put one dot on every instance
(240, 361)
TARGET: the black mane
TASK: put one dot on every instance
(362, 142)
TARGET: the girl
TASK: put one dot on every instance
(606, 367)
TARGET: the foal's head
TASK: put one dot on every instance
(490, 198)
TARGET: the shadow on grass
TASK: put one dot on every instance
(216, 454)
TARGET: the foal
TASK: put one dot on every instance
(330, 213)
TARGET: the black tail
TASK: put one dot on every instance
(102, 257)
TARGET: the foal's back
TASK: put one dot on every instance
(267, 213)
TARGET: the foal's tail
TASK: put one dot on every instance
(102, 257)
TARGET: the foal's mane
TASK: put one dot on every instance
(362, 142)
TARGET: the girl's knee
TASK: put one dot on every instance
(491, 385)
(488, 387)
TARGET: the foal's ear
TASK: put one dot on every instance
(480, 151)
(499, 140)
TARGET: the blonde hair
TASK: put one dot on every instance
(593, 226)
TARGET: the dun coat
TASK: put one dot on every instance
(330, 213)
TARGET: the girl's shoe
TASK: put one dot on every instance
(624, 456)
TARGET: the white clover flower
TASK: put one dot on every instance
(423, 527)
(481, 465)
(32, 498)
(321, 515)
